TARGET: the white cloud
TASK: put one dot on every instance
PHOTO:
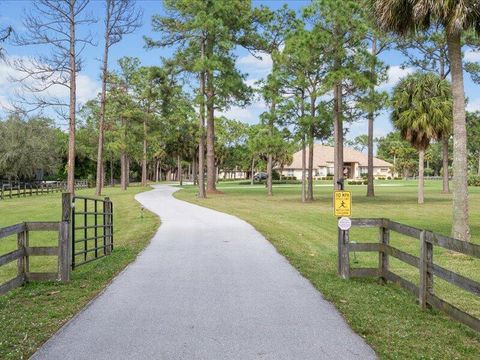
(395, 73)
(241, 114)
(87, 88)
(250, 114)
(258, 65)
(472, 56)
(252, 82)
(5, 104)
(473, 105)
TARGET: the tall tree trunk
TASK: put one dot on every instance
(421, 182)
(269, 175)
(101, 124)
(395, 172)
(304, 165)
(338, 134)
(337, 110)
(144, 158)
(201, 136)
(123, 171)
(446, 186)
(460, 229)
(371, 119)
(211, 170)
(478, 170)
(72, 105)
(253, 171)
(194, 167)
(112, 179)
(370, 179)
(310, 164)
(104, 175)
(179, 170)
(304, 149)
(270, 156)
(127, 170)
(311, 143)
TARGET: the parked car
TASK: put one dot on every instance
(260, 176)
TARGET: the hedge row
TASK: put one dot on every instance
(274, 182)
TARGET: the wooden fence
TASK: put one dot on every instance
(425, 263)
(25, 251)
(18, 189)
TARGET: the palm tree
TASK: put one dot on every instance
(422, 111)
(456, 16)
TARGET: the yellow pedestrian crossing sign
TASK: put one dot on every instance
(342, 203)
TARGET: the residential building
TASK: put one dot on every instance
(355, 163)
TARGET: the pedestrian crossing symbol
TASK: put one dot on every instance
(342, 203)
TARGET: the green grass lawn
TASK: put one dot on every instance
(31, 314)
(386, 316)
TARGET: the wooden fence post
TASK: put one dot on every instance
(108, 226)
(64, 243)
(343, 254)
(21, 261)
(383, 255)
(425, 267)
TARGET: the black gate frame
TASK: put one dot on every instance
(105, 210)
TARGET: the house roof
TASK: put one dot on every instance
(323, 156)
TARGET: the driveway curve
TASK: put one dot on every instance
(208, 286)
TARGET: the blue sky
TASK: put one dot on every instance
(133, 45)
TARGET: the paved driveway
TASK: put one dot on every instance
(209, 286)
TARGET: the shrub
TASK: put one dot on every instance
(275, 182)
(473, 180)
(275, 175)
(429, 172)
(357, 182)
(248, 182)
(286, 182)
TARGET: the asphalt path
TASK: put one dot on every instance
(208, 286)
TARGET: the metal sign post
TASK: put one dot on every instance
(342, 207)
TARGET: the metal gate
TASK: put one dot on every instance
(92, 229)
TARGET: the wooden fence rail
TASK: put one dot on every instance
(24, 251)
(424, 263)
(18, 189)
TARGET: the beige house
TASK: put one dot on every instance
(355, 162)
